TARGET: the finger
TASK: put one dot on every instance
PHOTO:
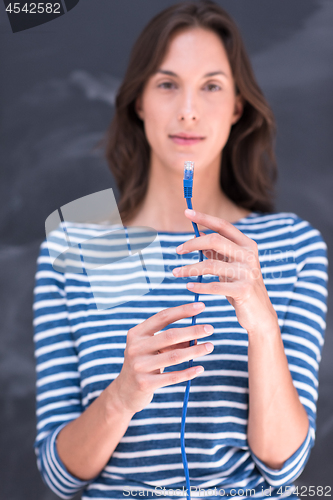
(177, 356)
(215, 242)
(172, 336)
(215, 288)
(175, 377)
(153, 364)
(181, 345)
(167, 316)
(221, 226)
(209, 266)
(212, 254)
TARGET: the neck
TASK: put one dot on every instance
(164, 204)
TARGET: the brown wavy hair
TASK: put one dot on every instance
(248, 166)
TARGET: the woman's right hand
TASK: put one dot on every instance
(146, 355)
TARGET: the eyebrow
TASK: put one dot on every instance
(171, 73)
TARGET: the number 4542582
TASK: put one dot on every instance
(311, 491)
(30, 8)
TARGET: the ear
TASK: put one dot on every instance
(239, 107)
(138, 107)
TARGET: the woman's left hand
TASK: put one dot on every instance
(233, 257)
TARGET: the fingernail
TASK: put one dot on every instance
(198, 305)
(199, 369)
(189, 211)
(208, 329)
(209, 346)
(179, 249)
(190, 285)
(176, 270)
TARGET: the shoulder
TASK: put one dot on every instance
(289, 231)
(286, 221)
(61, 246)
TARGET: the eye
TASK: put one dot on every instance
(166, 85)
(213, 87)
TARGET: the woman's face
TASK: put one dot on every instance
(181, 99)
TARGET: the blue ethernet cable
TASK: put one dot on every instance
(188, 183)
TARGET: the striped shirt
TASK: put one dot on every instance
(81, 319)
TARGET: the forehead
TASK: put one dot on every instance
(196, 46)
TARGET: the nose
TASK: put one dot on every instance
(188, 107)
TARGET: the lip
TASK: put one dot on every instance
(186, 139)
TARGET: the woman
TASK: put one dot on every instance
(109, 390)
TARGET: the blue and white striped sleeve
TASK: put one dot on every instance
(58, 393)
(302, 333)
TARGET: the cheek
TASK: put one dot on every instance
(157, 117)
(223, 110)
(157, 109)
(220, 117)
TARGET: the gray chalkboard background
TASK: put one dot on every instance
(57, 84)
